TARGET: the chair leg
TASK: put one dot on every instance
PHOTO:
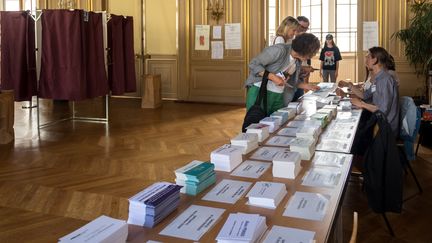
(418, 143)
(388, 225)
(415, 178)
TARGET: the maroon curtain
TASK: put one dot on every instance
(18, 57)
(121, 65)
(97, 82)
(63, 63)
(129, 55)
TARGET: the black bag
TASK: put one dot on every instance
(256, 113)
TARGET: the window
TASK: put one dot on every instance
(346, 24)
(271, 20)
(12, 5)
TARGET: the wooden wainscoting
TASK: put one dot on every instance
(166, 66)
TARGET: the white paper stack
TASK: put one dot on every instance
(290, 111)
(242, 227)
(297, 106)
(308, 132)
(273, 122)
(266, 194)
(301, 117)
(330, 111)
(151, 205)
(261, 129)
(305, 146)
(287, 165)
(306, 123)
(288, 131)
(249, 141)
(283, 116)
(102, 229)
(279, 234)
(281, 141)
(323, 118)
(195, 177)
(227, 157)
(345, 105)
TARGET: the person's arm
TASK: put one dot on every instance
(268, 56)
(321, 68)
(363, 105)
(279, 81)
(308, 86)
(355, 90)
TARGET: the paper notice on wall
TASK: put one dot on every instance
(370, 34)
(202, 37)
(217, 50)
(217, 32)
(232, 36)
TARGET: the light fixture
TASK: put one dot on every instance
(215, 8)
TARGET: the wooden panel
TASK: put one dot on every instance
(167, 68)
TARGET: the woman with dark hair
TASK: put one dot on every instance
(281, 61)
(330, 57)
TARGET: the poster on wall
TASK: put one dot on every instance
(217, 50)
(370, 34)
(232, 36)
(202, 37)
(217, 32)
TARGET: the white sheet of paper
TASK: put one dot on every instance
(202, 36)
(267, 153)
(217, 50)
(228, 191)
(193, 223)
(322, 158)
(306, 205)
(233, 36)
(281, 141)
(217, 32)
(279, 234)
(251, 169)
(321, 177)
(240, 227)
(334, 145)
(370, 34)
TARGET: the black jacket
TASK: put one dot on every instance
(383, 169)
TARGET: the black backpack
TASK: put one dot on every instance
(256, 113)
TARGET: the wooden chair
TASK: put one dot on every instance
(354, 229)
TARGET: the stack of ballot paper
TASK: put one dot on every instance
(287, 165)
(290, 112)
(283, 116)
(322, 118)
(308, 132)
(227, 157)
(273, 122)
(266, 194)
(249, 141)
(261, 129)
(195, 177)
(288, 131)
(301, 117)
(305, 146)
(281, 141)
(102, 229)
(242, 227)
(151, 205)
(330, 111)
(306, 123)
(296, 106)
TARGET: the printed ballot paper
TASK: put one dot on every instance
(306, 205)
(227, 191)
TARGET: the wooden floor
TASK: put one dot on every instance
(52, 183)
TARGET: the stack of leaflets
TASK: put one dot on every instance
(102, 229)
(249, 141)
(273, 122)
(296, 106)
(308, 132)
(281, 141)
(280, 234)
(195, 177)
(150, 206)
(287, 165)
(305, 146)
(290, 111)
(306, 123)
(227, 157)
(288, 131)
(330, 110)
(323, 118)
(301, 117)
(283, 116)
(266, 194)
(242, 227)
(261, 129)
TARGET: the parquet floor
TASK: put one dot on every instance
(52, 183)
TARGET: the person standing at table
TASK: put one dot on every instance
(286, 30)
(330, 57)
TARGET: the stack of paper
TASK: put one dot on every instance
(305, 146)
(249, 141)
(261, 129)
(306, 123)
(102, 229)
(195, 177)
(322, 118)
(283, 116)
(330, 110)
(288, 131)
(308, 132)
(279, 234)
(290, 111)
(301, 117)
(150, 206)
(281, 141)
(227, 157)
(296, 106)
(266, 194)
(287, 165)
(273, 122)
(242, 227)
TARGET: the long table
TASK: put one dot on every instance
(321, 228)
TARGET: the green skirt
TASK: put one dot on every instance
(274, 100)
